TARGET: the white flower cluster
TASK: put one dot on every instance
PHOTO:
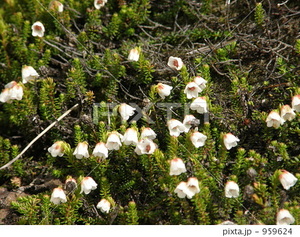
(58, 195)
(38, 29)
(199, 104)
(88, 184)
(197, 138)
(143, 141)
(143, 145)
(188, 189)
(176, 128)
(192, 90)
(12, 91)
(287, 179)
(287, 113)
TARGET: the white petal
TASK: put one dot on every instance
(175, 63)
(231, 189)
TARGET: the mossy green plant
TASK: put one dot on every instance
(84, 69)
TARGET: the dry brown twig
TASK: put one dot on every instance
(38, 137)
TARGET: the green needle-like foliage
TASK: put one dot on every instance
(248, 56)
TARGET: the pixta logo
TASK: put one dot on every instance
(109, 110)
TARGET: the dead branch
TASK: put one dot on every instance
(38, 137)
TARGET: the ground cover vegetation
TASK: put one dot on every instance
(121, 67)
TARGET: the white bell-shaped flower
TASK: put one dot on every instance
(227, 222)
(12, 91)
(230, 140)
(192, 90)
(148, 133)
(175, 63)
(183, 191)
(232, 189)
(58, 196)
(180, 189)
(287, 179)
(188, 121)
(100, 150)
(274, 120)
(145, 146)
(87, 185)
(177, 167)
(198, 139)
(126, 111)
(287, 113)
(296, 103)
(104, 206)
(16, 92)
(38, 29)
(175, 127)
(193, 185)
(81, 150)
(200, 105)
(10, 84)
(57, 149)
(56, 6)
(284, 217)
(99, 3)
(28, 74)
(200, 81)
(163, 90)
(113, 141)
(130, 137)
(5, 95)
(134, 55)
